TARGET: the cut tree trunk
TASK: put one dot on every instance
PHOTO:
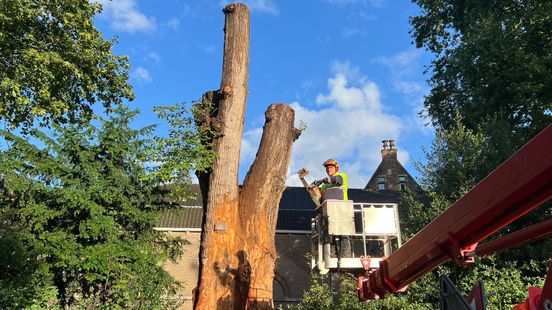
(218, 261)
(237, 251)
(259, 200)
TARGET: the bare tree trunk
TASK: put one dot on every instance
(259, 200)
(218, 261)
(237, 251)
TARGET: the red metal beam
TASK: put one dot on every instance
(520, 184)
(545, 301)
(515, 239)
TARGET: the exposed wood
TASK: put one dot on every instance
(218, 263)
(237, 251)
(259, 199)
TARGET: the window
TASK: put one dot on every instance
(381, 183)
(402, 182)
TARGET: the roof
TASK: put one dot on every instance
(294, 213)
(391, 169)
(181, 217)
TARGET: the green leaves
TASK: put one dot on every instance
(55, 64)
(188, 147)
(492, 64)
(77, 205)
(79, 219)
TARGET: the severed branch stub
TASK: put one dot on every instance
(229, 8)
(226, 91)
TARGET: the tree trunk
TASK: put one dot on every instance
(237, 251)
(219, 239)
(259, 200)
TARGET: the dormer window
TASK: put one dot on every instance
(402, 182)
(381, 183)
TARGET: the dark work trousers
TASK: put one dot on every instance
(341, 247)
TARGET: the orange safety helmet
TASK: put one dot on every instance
(331, 162)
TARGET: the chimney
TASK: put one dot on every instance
(389, 149)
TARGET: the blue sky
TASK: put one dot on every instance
(347, 67)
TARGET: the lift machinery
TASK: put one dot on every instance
(519, 185)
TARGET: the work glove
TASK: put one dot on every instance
(322, 181)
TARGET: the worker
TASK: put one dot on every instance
(334, 186)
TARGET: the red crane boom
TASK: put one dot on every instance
(515, 239)
(520, 184)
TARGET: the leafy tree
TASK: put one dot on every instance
(492, 65)
(454, 165)
(186, 148)
(319, 297)
(77, 219)
(421, 295)
(55, 64)
(454, 161)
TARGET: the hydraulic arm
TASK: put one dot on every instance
(520, 184)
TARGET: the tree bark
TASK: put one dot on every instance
(259, 199)
(219, 239)
(237, 251)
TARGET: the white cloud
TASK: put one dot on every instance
(264, 6)
(173, 23)
(348, 127)
(366, 96)
(351, 32)
(404, 64)
(141, 74)
(154, 56)
(259, 6)
(249, 145)
(124, 16)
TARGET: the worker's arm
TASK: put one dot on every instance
(335, 180)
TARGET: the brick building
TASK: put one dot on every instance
(292, 274)
(390, 174)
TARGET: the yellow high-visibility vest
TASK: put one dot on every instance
(343, 187)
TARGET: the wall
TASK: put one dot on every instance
(292, 269)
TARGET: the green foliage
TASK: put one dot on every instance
(491, 93)
(504, 284)
(454, 161)
(77, 220)
(319, 297)
(492, 66)
(454, 166)
(55, 64)
(322, 296)
(188, 147)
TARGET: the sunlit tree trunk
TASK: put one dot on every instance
(259, 200)
(237, 252)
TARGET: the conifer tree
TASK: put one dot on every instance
(77, 218)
